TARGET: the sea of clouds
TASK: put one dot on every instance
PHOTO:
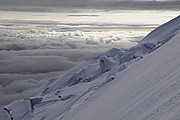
(31, 53)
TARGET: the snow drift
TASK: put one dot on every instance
(140, 83)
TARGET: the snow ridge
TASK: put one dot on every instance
(139, 83)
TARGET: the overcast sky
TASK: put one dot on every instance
(80, 5)
(118, 11)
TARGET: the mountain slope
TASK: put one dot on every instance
(164, 32)
(148, 90)
(140, 83)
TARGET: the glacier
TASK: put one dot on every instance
(140, 83)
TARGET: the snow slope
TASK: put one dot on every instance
(140, 83)
(148, 90)
(164, 32)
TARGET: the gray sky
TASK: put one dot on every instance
(81, 5)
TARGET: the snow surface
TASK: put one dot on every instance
(140, 83)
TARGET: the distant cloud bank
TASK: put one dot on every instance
(83, 15)
(33, 52)
(80, 5)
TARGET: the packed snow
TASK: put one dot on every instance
(138, 83)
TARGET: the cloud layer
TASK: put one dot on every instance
(79, 5)
(33, 52)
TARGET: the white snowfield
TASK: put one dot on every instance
(140, 83)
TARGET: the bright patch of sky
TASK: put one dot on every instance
(124, 17)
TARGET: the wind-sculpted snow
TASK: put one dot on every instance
(140, 83)
(4, 114)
